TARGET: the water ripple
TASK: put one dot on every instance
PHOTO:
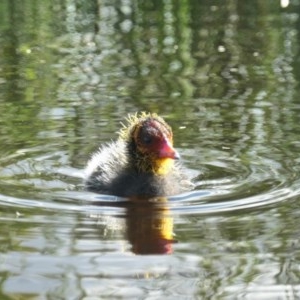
(224, 185)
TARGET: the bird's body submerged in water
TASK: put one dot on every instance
(141, 163)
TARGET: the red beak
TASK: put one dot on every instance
(167, 151)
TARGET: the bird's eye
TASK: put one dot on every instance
(147, 139)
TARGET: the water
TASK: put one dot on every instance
(225, 77)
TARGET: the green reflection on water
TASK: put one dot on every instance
(226, 77)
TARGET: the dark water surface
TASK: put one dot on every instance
(224, 74)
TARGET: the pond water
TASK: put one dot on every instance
(225, 75)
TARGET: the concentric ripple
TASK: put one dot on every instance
(46, 181)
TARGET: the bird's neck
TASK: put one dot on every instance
(147, 164)
(153, 166)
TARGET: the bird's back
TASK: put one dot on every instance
(104, 166)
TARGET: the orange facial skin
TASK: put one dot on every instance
(152, 142)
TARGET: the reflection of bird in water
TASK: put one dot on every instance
(150, 226)
(140, 163)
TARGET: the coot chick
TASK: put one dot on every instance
(141, 163)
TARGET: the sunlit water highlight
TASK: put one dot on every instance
(225, 75)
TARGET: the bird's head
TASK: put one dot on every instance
(150, 143)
